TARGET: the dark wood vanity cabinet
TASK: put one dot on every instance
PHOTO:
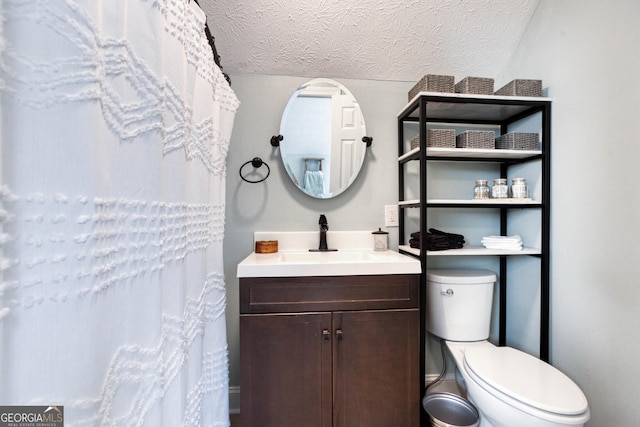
(330, 351)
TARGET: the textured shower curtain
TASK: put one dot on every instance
(115, 128)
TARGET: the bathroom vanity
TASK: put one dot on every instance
(329, 349)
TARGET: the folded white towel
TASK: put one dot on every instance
(503, 239)
(513, 243)
(512, 247)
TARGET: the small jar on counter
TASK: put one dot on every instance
(380, 240)
(500, 189)
(481, 190)
(519, 189)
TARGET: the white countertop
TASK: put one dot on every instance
(355, 256)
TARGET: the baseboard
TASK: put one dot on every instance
(234, 392)
(234, 399)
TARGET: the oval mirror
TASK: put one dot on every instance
(322, 148)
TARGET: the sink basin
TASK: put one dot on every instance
(326, 257)
(336, 263)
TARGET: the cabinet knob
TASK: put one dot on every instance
(326, 334)
(339, 334)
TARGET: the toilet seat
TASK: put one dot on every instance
(525, 381)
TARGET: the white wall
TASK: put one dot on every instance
(276, 204)
(588, 55)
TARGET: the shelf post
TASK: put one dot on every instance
(423, 251)
(502, 320)
(546, 232)
(401, 230)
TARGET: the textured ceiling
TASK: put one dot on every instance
(367, 39)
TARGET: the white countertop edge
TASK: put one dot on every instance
(342, 270)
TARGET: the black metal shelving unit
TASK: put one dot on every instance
(465, 109)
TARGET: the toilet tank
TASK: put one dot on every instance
(459, 304)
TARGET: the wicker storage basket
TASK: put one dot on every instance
(443, 138)
(433, 83)
(518, 141)
(415, 142)
(475, 85)
(521, 88)
(476, 139)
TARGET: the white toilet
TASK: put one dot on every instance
(508, 387)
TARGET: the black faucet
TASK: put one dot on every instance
(323, 233)
(324, 227)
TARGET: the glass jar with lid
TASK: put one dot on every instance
(500, 190)
(481, 190)
(519, 189)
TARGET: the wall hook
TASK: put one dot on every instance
(275, 140)
(367, 140)
(256, 162)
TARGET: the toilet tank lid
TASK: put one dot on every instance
(461, 276)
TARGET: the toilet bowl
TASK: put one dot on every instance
(508, 387)
(512, 388)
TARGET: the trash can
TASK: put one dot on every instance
(450, 410)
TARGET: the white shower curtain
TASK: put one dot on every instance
(115, 129)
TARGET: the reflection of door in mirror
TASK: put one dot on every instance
(322, 126)
(347, 130)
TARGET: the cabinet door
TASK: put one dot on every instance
(376, 368)
(285, 370)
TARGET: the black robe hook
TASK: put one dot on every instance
(275, 140)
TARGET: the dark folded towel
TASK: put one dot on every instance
(452, 236)
(437, 240)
